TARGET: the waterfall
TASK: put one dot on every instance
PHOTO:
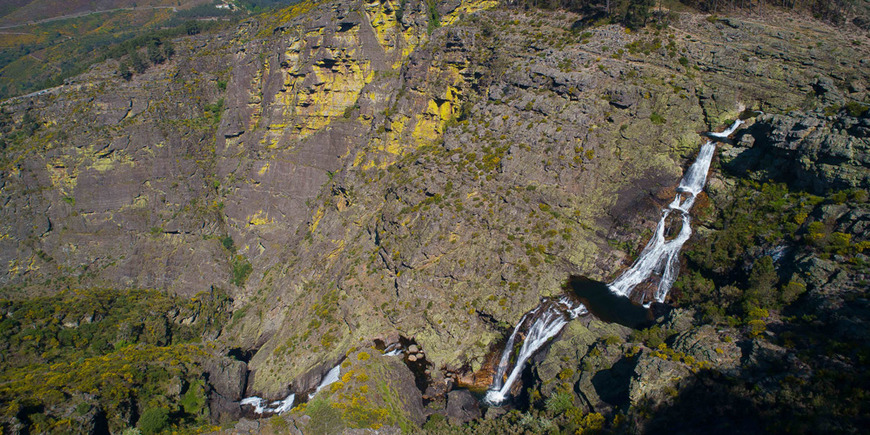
(540, 325)
(276, 407)
(659, 256)
(330, 378)
(261, 406)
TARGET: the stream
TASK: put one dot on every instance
(659, 259)
(609, 302)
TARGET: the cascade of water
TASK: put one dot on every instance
(276, 407)
(659, 256)
(261, 406)
(541, 324)
(258, 403)
(728, 131)
(330, 378)
(285, 405)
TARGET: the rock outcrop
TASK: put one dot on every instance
(348, 170)
(816, 151)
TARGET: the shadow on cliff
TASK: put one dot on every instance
(706, 405)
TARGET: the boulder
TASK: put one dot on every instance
(679, 320)
(810, 150)
(227, 377)
(655, 379)
(462, 407)
(705, 344)
(765, 356)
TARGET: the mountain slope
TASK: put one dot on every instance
(402, 172)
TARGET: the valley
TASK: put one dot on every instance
(354, 215)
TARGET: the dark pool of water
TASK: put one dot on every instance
(605, 305)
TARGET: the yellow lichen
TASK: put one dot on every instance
(335, 252)
(259, 218)
(13, 267)
(315, 220)
(62, 178)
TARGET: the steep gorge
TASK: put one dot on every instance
(350, 171)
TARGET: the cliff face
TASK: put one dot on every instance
(350, 171)
(227, 138)
(525, 156)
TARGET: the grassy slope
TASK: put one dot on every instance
(37, 56)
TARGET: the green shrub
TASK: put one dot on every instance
(855, 108)
(758, 313)
(436, 422)
(839, 242)
(559, 403)
(653, 337)
(228, 243)
(214, 111)
(433, 16)
(756, 328)
(791, 291)
(325, 419)
(194, 400)
(591, 423)
(154, 420)
(816, 233)
(241, 269)
(839, 197)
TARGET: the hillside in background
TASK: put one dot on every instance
(44, 42)
(345, 207)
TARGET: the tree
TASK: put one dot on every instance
(29, 124)
(168, 49)
(137, 62)
(191, 27)
(762, 280)
(124, 71)
(155, 51)
(637, 13)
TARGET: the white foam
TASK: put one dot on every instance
(330, 378)
(660, 256)
(541, 324)
(276, 407)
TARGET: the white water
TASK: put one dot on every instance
(729, 131)
(660, 255)
(394, 349)
(276, 407)
(330, 378)
(281, 406)
(258, 403)
(541, 324)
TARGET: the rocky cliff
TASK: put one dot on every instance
(350, 171)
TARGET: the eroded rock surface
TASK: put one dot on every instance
(346, 175)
